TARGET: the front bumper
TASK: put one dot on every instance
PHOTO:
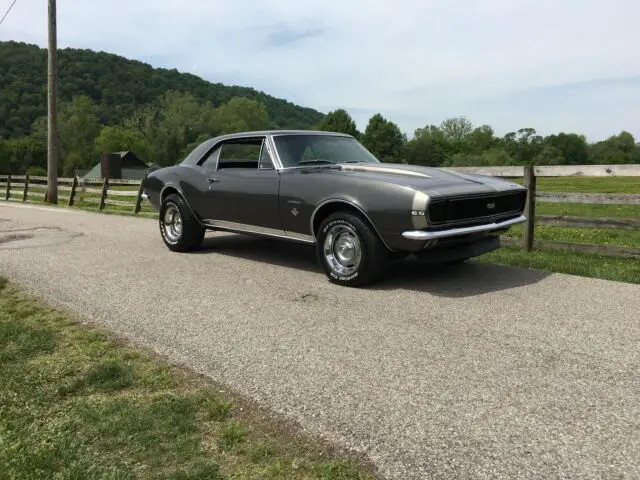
(423, 235)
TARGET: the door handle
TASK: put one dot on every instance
(213, 179)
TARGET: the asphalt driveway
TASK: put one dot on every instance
(474, 371)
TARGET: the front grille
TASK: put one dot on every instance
(457, 210)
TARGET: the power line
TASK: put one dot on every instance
(8, 10)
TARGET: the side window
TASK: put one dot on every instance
(266, 163)
(240, 154)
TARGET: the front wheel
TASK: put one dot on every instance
(350, 252)
(180, 231)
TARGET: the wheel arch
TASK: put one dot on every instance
(173, 189)
(327, 207)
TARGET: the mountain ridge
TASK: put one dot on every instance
(119, 85)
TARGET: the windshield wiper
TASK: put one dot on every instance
(317, 161)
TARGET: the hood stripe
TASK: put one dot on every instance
(396, 171)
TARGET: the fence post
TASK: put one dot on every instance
(72, 195)
(103, 196)
(26, 188)
(8, 192)
(529, 208)
(139, 197)
(80, 190)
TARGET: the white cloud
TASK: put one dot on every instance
(416, 62)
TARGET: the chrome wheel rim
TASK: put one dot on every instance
(342, 250)
(172, 223)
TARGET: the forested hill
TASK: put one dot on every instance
(118, 86)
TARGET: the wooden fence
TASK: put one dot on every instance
(529, 174)
(100, 193)
(127, 194)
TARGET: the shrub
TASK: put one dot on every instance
(36, 172)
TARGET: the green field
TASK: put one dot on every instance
(588, 210)
(590, 265)
(583, 264)
(599, 236)
(78, 404)
(587, 184)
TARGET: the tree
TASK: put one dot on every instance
(19, 154)
(428, 147)
(170, 124)
(78, 127)
(339, 121)
(570, 146)
(384, 139)
(523, 145)
(480, 139)
(465, 160)
(456, 129)
(549, 155)
(616, 149)
(623, 142)
(241, 114)
(489, 158)
(119, 138)
(498, 156)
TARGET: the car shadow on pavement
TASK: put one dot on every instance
(260, 249)
(458, 280)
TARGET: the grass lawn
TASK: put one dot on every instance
(77, 404)
(587, 184)
(583, 264)
(588, 210)
(599, 236)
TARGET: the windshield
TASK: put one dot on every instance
(298, 150)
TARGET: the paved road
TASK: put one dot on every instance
(470, 372)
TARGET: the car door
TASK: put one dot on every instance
(243, 187)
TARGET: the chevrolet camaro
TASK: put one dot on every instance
(326, 189)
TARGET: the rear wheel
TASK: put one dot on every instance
(350, 252)
(180, 231)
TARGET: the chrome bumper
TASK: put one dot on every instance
(487, 227)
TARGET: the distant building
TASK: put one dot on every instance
(117, 165)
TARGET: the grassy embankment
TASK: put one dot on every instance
(76, 403)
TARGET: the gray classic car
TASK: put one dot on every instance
(327, 190)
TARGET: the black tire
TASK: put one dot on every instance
(373, 254)
(190, 235)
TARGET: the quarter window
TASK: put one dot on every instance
(211, 161)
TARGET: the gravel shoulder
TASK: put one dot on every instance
(476, 371)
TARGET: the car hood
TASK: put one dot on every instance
(434, 181)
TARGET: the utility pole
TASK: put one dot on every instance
(52, 157)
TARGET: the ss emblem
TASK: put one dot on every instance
(491, 206)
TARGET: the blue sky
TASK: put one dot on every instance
(552, 65)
